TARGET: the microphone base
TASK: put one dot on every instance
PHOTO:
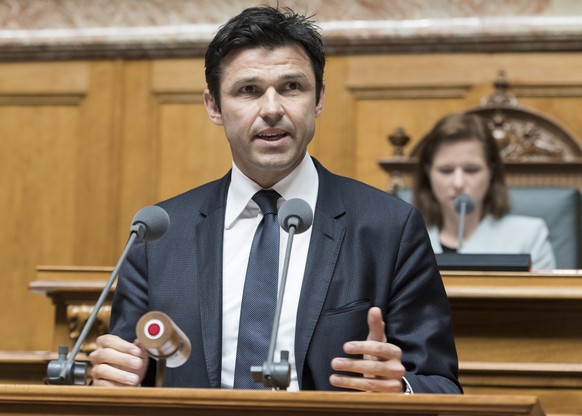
(58, 374)
(274, 375)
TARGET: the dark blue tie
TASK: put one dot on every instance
(260, 293)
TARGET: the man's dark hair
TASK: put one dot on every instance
(264, 27)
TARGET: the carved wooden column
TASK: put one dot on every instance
(74, 291)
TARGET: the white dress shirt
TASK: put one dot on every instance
(241, 220)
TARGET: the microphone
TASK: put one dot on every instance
(164, 341)
(464, 204)
(295, 217)
(295, 213)
(149, 223)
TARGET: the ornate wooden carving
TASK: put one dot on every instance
(77, 315)
(522, 134)
(399, 140)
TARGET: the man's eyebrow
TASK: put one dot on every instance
(251, 79)
(293, 75)
(247, 80)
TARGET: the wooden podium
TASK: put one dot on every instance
(517, 334)
(27, 400)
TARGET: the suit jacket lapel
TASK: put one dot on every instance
(326, 238)
(209, 235)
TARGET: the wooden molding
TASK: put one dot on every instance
(411, 92)
(56, 400)
(73, 99)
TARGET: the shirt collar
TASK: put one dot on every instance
(302, 182)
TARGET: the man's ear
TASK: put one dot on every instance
(319, 105)
(212, 108)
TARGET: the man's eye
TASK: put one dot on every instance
(292, 86)
(248, 89)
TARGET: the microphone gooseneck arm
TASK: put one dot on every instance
(98, 305)
(463, 212)
(284, 273)
(148, 224)
(272, 374)
(67, 374)
(295, 217)
(277, 319)
(464, 204)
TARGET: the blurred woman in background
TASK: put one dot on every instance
(460, 156)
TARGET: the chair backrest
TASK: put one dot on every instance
(561, 209)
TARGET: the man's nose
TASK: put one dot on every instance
(271, 106)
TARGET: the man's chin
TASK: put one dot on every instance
(277, 162)
(274, 168)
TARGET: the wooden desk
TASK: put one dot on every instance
(24, 367)
(519, 333)
(59, 400)
(516, 333)
(516, 317)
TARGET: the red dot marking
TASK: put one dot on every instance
(154, 329)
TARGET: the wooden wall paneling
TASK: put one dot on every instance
(391, 95)
(191, 149)
(84, 145)
(97, 174)
(137, 159)
(334, 141)
(52, 188)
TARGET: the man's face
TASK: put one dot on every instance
(268, 110)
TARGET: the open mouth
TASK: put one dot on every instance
(271, 137)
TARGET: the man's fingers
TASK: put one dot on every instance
(116, 359)
(379, 376)
(366, 384)
(386, 370)
(107, 375)
(116, 362)
(99, 382)
(119, 344)
(381, 366)
(376, 325)
(374, 349)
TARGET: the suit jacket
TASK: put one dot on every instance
(512, 234)
(367, 249)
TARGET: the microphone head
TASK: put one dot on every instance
(464, 199)
(150, 222)
(295, 213)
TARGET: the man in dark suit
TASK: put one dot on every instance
(365, 308)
